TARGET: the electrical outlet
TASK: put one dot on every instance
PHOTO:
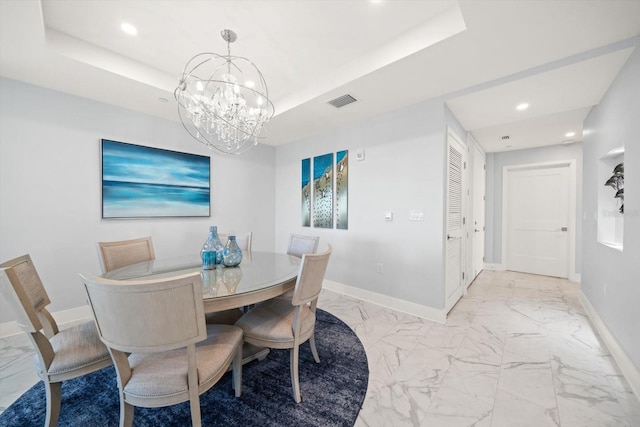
(416, 216)
(380, 268)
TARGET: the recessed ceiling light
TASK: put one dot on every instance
(129, 29)
(522, 107)
(570, 134)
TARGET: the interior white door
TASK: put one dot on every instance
(479, 190)
(455, 225)
(537, 221)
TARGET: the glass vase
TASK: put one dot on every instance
(212, 250)
(232, 255)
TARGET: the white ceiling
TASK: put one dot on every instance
(482, 57)
(559, 100)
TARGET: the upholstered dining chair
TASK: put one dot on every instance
(121, 253)
(280, 323)
(163, 351)
(60, 354)
(243, 240)
(300, 244)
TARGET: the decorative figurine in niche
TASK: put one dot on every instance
(617, 183)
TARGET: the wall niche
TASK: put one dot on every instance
(611, 199)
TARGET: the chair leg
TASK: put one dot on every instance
(193, 384)
(53, 392)
(293, 364)
(314, 350)
(126, 413)
(196, 417)
(237, 371)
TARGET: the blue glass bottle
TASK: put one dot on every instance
(232, 255)
(212, 250)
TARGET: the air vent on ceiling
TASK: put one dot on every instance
(343, 100)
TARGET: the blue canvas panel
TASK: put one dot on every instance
(143, 182)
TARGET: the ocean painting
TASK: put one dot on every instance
(306, 192)
(143, 182)
(342, 190)
(323, 191)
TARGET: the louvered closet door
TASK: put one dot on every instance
(455, 214)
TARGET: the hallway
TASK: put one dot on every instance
(517, 350)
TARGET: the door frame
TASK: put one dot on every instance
(476, 187)
(571, 164)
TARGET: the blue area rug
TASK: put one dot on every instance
(332, 392)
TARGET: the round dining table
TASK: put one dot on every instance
(259, 277)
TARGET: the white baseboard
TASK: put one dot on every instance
(62, 317)
(397, 304)
(626, 366)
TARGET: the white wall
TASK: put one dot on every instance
(495, 165)
(403, 171)
(50, 187)
(611, 279)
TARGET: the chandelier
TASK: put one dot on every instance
(223, 101)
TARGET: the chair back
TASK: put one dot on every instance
(300, 244)
(22, 288)
(243, 240)
(310, 277)
(121, 253)
(148, 316)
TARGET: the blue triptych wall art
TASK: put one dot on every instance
(306, 192)
(328, 182)
(323, 191)
(342, 190)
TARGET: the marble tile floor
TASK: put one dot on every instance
(517, 350)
